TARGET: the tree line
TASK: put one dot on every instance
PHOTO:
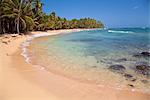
(19, 16)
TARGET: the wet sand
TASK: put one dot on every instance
(22, 81)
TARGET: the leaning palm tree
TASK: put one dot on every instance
(20, 11)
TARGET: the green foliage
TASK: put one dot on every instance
(27, 15)
(17, 15)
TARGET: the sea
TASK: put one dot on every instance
(115, 57)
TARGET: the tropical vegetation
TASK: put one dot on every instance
(20, 16)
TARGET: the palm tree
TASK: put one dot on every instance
(20, 11)
(1, 20)
(37, 5)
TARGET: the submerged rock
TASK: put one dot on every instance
(143, 69)
(142, 54)
(145, 53)
(117, 68)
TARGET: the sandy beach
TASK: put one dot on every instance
(22, 81)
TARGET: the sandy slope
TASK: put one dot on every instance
(22, 81)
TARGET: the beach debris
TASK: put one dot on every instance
(142, 54)
(117, 68)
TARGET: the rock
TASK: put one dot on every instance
(144, 81)
(143, 69)
(117, 68)
(129, 77)
(142, 54)
(145, 53)
(131, 85)
(133, 80)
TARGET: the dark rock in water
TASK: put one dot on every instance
(143, 69)
(145, 53)
(117, 68)
(131, 85)
(144, 81)
(142, 54)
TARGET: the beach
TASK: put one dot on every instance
(20, 80)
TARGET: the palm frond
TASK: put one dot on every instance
(29, 20)
(23, 23)
(8, 16)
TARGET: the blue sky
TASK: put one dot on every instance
(114, 13)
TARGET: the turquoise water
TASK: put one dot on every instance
(87, 55)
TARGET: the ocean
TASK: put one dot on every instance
(117, 57)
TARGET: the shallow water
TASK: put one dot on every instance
(87, 56)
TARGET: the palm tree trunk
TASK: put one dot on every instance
(18, 25)
(18, 19)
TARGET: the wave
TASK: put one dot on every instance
(25, 44)
(114, 31)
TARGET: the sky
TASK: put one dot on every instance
(113, 13)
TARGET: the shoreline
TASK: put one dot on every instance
(23, 81)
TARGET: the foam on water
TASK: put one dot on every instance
(25, 44)
(113, 31)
